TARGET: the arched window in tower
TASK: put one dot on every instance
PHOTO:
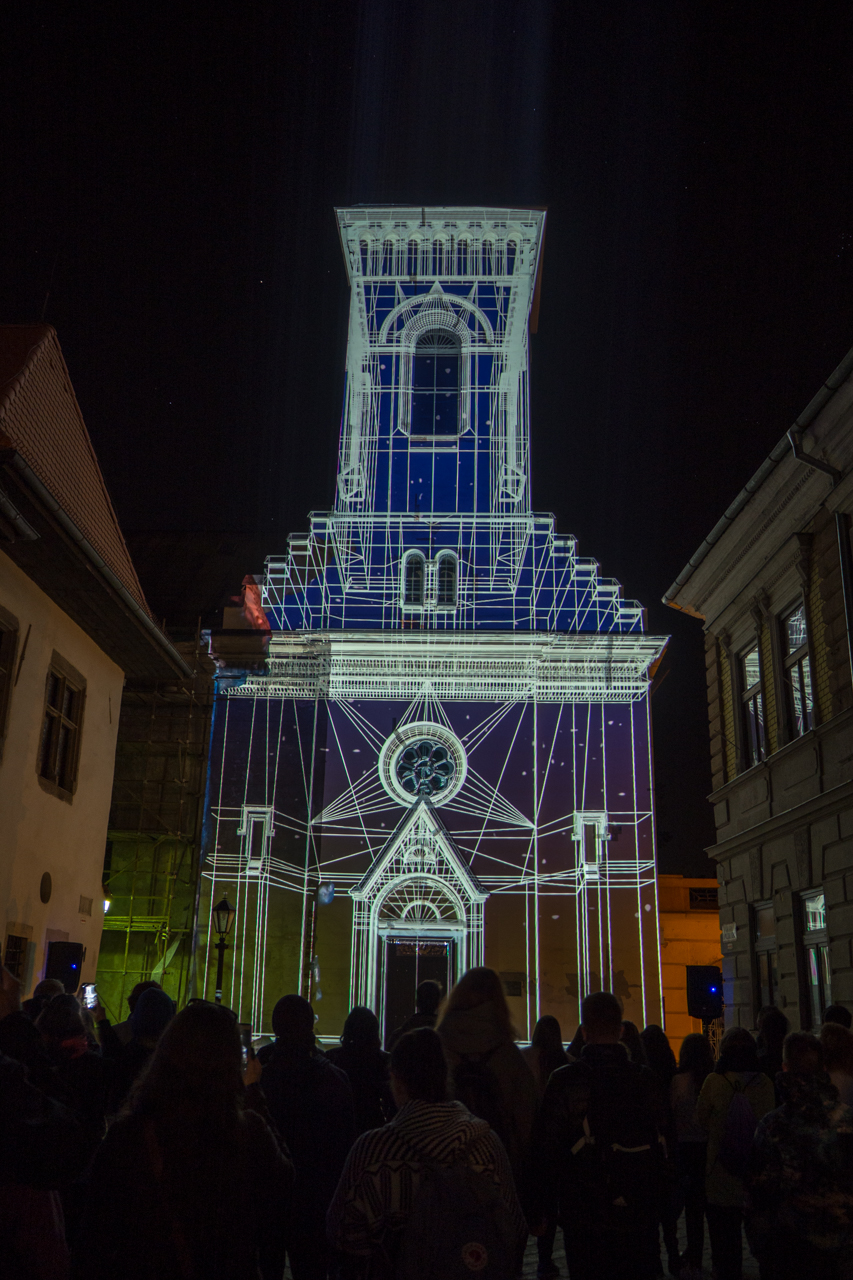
(413, 580)
(446, 596)
(436, 377)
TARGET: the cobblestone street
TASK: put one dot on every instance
(750, 1266)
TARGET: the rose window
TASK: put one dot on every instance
(425, 768)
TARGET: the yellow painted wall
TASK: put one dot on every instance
(38, 831)
(687, 937)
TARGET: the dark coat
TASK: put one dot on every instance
(42, 1143)
(367, 1072)
(42, 1147)
(416, 1021)
(800, 1176)
(206, 1217)
(615, 1100)
(310, 1101)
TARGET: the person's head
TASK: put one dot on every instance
(837, 1044)
(837, 1013)
(630, 1037)
(802, 1053)
(137, 991)
(659, 1053)
(293, 1022)
(772, 1026)
(153, 1012)
(477, 987)
(547, 1039)
(361, 1029)
(696, 1058)
(418, 1068)
(60, 1022)
(601, 1018)
(547, 1034)
(738, 1052)
(44, 992)
(428, 996)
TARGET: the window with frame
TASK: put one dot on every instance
(798, 675)
(765, 953)
(447, 574)
(436, 384)
(818, 971)
(15, 955)
(8, 649)
(59, 747)
(414, 573)
(753, 708)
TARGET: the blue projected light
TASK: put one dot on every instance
(434, 449)
(453, 702)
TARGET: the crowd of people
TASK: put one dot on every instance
(164, 1148)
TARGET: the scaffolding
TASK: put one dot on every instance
(151, 868)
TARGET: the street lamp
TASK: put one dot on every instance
(223, 918)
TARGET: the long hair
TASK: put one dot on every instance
(631, 1039)
(696, 1058)
(548, 1039)
(189, 1098)
(361, 1030)
(659, 1053)
(480, 986)
(738, 1052)
(837, 1044)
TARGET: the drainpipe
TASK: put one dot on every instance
(846, 562)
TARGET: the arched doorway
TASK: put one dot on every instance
(420, 925)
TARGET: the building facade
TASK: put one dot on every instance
(689, 935)
(772, 584)
(444, 757)
(73, 624)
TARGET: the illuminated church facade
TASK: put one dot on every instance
(445, 758)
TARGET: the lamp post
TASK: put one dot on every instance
(223, 918)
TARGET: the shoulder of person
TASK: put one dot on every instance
(336, 1074)
(761, 1083)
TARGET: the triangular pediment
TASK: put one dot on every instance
(420, 845)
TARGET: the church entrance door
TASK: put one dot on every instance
(408, 962)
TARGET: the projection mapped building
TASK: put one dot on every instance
(446, 758)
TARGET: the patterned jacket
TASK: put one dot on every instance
(800, 1177)
(382, 1173)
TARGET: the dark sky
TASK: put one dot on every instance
(168, 177)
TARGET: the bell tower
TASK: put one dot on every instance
(448, 748)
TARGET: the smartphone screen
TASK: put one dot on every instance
(245, 1040)
(90, 995)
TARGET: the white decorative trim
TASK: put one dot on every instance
(417, 731)
(420, 863)
(456, 666)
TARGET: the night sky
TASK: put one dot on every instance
(169, 173)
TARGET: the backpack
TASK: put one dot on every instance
(477, 1088)
(615, 1164)
(458, 1227)
(738, 1130)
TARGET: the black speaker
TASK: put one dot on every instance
(65, 961)
(704, 992)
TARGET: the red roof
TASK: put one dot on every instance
(41, 417)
